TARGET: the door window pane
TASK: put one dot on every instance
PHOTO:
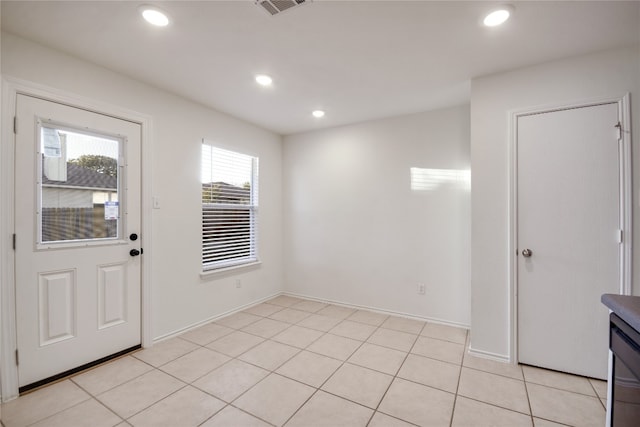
(78, 189)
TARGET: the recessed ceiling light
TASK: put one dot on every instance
(264, 80)
(498, 16)
(318, 114)
(154, 16)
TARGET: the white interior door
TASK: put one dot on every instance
(77, 187)
(568, 236)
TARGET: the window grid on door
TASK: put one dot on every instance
(78, 185)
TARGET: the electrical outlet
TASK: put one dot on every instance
(421, 289)
(238, 283)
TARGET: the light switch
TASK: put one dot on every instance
(156, 202)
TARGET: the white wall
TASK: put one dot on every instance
(180, 297)
(355, 230)
(602, 75)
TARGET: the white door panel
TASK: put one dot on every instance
(57, 306)
(77, 286)
(112, 295)
(569, 217)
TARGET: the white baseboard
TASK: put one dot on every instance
(324, 300)
(379, 310)
(213, 318)
(489, 355)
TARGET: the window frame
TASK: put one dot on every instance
(118, 239)
(252, 257)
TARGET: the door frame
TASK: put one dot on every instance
(625, 177)
(11, 88)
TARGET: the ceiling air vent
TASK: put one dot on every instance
(274, 7)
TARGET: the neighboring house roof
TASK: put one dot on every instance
(80, 177)
(226, 192)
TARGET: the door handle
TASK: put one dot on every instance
(527, 253)
(134, 252)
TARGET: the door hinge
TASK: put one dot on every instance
(620, 236)
(618, 127)
(14, 241)
(17, 358)
(15, 124)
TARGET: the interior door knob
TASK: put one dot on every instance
(134, 252)
(527, 253)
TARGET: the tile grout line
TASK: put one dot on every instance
(340, 320)
(396, 374)
(555, 422)
(526, 390)
(486, 371)
(496, 406)
(456, 393)
(118, 385)
(159, 368)
(65, 409)
(230, 403)
(492, 373)
(153, 368)
(461, 365)
(154, 403)
(561, 389)
(250, 414)
(531, 382)
(341, 364)
(190, 384)
(97, 400)
(488, 403)
(299, 350)
(269, 373)
(455, 396)
(232, 358)
(504, 376)
(227, 405)
(597, 395)
(561, 373)
(319, 388)
(301, 406)
(233, 329)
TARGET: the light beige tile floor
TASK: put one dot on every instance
(296, 362)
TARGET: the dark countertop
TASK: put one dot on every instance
(626, 307)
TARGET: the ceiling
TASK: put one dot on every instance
(357, 60)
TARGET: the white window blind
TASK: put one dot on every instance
(229, 208)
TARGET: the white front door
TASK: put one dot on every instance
(77, 207)
(568, 236)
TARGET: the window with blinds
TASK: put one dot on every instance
(229, 208)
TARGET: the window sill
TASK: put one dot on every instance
(228, 271)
